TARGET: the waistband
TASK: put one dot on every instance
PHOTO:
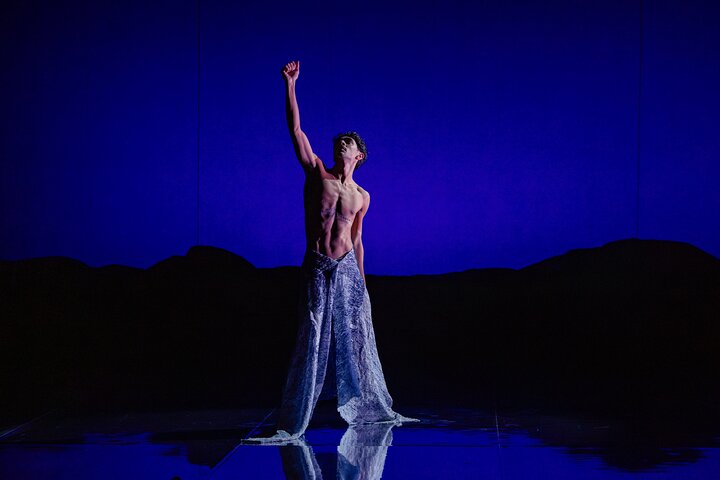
(319, 261)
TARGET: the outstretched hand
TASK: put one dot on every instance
(291, 71)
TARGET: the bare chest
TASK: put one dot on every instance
(347, 199)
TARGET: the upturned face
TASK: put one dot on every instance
(346, 148)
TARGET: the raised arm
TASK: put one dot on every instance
(291, 72)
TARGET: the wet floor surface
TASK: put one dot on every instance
(447, 443)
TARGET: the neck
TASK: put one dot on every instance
(343, 171)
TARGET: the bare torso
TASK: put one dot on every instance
(330, 209)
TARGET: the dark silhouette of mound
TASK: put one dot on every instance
(632, 325)
(650, 256)
(210, 263)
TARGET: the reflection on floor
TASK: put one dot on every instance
(448, 443)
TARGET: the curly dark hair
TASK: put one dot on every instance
(358, 140)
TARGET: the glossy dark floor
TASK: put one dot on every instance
(448, 443)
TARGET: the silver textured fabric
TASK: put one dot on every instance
(335, 328)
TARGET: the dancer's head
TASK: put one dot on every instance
(353, 145)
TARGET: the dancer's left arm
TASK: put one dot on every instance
(356, 233)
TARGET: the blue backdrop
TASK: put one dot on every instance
(499, 132)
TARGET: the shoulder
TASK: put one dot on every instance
(365, 194)
(362, 191)
(317, 170)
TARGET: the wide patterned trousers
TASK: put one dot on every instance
(335, 328)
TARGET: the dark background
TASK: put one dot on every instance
(628, 329)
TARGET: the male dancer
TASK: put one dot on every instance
(335, 330)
